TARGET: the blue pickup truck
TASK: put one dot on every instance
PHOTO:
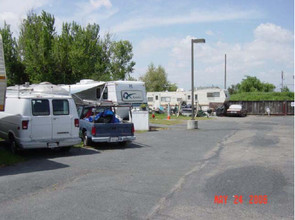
(99, 124)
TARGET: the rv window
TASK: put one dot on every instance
(156, 97)
(98, 93)
(179, 99)
(40, 107)
(196, 97)
(165, 99)
(60, 107)
(213, 94)
(105, 94)
(188, 97)
(150, 99)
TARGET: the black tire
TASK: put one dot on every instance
(13, 145)
(123, 143)
(86, 140)
(66, 149)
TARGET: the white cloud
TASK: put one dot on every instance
(150, 45)
(13, 11)
(209, 32)
(84, 12)
(270, 52)
(86, 8)
(99, 3)
(142, 21)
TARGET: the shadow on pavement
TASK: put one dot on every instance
(39, 160)
(31, 166)
(116, 146)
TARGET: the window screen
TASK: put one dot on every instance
(40, 107)
(60, 107)
(213, 94)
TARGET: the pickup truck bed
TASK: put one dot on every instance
(91, 131)
(106, 132)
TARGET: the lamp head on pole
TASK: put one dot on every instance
(198, 40)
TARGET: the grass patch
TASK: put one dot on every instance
(162, 119)
(140, 131)
(7, 158)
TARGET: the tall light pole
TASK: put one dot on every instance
(225, 71)
(191, 124)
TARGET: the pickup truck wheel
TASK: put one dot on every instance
(86, 140)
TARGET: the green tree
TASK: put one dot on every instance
(36, 45)
(285, 89)
(233, 89)
(172, 87)
(14, 68)
(77, 53)
(156, 80)
(121, 60)
(253, 84)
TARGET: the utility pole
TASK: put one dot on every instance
(225, 71)
(282, 76)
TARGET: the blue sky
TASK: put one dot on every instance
(256, 35)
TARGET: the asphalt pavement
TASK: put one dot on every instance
(172, 173)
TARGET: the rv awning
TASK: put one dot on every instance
(76, 88)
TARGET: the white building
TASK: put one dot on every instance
(203, 97)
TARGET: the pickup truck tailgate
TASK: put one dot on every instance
(113, 129)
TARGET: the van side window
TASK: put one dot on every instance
(60, 107)
(40, 107)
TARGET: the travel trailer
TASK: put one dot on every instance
(117, 93)
(205, 98)
(39, 116)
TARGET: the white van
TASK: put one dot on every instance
(39, 116)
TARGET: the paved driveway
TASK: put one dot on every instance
(166, 174)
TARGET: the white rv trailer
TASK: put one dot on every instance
(204, 97)
(117, 92)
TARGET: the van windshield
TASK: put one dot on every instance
(40, 107)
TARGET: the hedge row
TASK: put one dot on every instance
(263, 96)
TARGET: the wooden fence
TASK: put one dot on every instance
(259, 107)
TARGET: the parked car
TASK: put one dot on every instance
(100, 124)
(236, 110)
(39, 116)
